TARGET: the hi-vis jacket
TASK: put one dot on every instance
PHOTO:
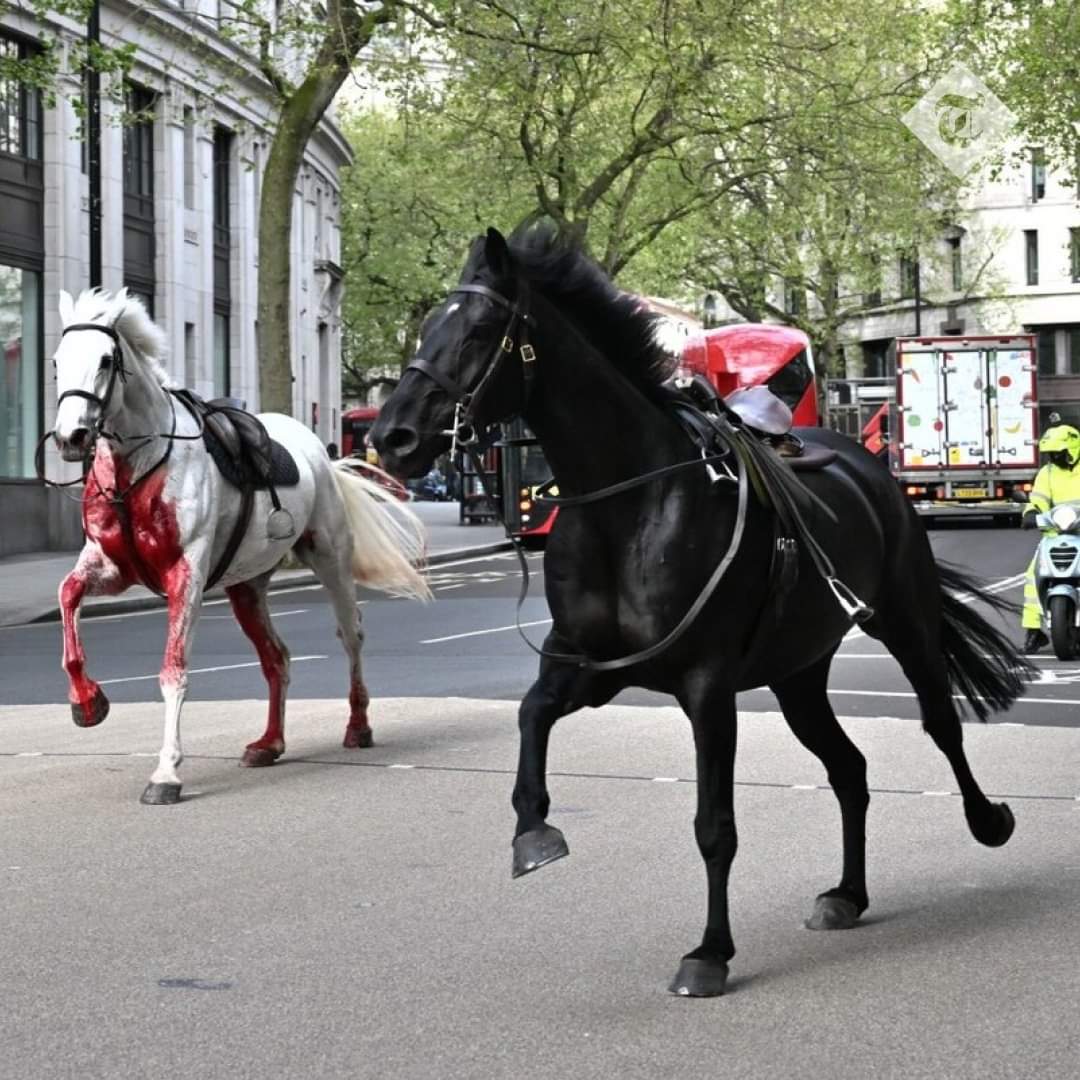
(1053, 486)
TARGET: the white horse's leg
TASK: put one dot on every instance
(333, 568)
(183, 590)
(249, 605)
(93, 575)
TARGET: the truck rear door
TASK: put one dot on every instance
(1010, 380)
(920, 397)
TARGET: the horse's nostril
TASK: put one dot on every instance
(78, 437)
(401, 440)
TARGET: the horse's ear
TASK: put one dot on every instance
(120, 301)
(67, 308)
(497, 253)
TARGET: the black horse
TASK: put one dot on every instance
(536, 329)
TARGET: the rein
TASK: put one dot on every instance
(773, 485)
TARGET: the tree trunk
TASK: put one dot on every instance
(303, 107)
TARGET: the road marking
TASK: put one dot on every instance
(202, 670)
(1025, 700)
(665, 779)
(274, 614)
(477, 633)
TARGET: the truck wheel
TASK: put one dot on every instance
(1063, 627)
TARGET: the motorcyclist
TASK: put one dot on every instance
(1058, 481)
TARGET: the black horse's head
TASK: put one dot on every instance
(468, 370)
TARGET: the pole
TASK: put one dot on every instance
(918, 297)
(93, 140)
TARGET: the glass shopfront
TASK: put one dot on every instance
(20, 383)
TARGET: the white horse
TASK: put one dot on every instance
(157, 511)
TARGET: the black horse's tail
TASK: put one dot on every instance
(983, 664)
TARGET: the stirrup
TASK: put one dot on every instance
(853, 607)
(280, 525)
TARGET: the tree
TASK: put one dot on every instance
(411, 205)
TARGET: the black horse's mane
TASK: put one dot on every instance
(616, 323)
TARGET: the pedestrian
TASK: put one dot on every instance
(1058, 481)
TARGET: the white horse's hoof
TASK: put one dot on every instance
(160, 794)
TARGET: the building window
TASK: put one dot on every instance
(909, 269)
(956, 262)
(190, 355)
(20, 373)
(139, 246)
(189, 159)
(20, 108)
(222, 379)
(1073, 344)
(1038, 173)
(1031, 255)
(792, 298)
(1047, 348)
(222, 194)
(1074, 253)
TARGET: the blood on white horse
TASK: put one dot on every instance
(157, 512)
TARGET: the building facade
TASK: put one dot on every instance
(180, 182)
(1012, 265)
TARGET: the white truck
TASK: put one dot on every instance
(965, 432)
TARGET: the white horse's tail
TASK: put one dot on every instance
(388, 538)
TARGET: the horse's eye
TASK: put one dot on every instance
(106, 360)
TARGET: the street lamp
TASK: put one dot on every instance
(708, 311)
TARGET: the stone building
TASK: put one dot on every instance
(180, 197)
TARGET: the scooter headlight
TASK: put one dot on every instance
(1063, 517)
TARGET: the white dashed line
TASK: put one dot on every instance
(202, 670)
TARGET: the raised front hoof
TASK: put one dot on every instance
(833, 913)
(92, 716)
(160, 794)
(358, 738)
(537, 848)
(995, 828)
(258, 757)
(699, 976)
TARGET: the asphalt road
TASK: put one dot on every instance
(465, 644)
(350, 914)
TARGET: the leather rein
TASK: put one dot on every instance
(466, 436)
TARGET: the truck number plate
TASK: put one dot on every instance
(969, 492)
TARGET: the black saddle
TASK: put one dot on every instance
(240, 445)
(247, 458)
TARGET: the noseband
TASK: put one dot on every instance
(466, 431)
(116, 371)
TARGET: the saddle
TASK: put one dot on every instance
(247, 458)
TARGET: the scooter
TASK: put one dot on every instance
(1057, 578)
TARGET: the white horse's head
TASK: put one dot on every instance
(108, 341)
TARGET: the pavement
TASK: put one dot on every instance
(29, 583)
(350, 914)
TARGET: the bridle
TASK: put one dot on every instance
(116, 371)
(467, 432)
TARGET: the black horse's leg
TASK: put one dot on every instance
(806, 708)
(904, 634)
(703, 972)
(560, 689)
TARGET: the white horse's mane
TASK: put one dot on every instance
(126, 314)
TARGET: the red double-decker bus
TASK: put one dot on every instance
(355, 425)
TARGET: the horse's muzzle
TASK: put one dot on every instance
(73, 447)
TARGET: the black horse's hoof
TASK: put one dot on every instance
(99, 709)
(537, 848)
(160, 795)
(994, 828)
(699, 977)
(833, 913)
